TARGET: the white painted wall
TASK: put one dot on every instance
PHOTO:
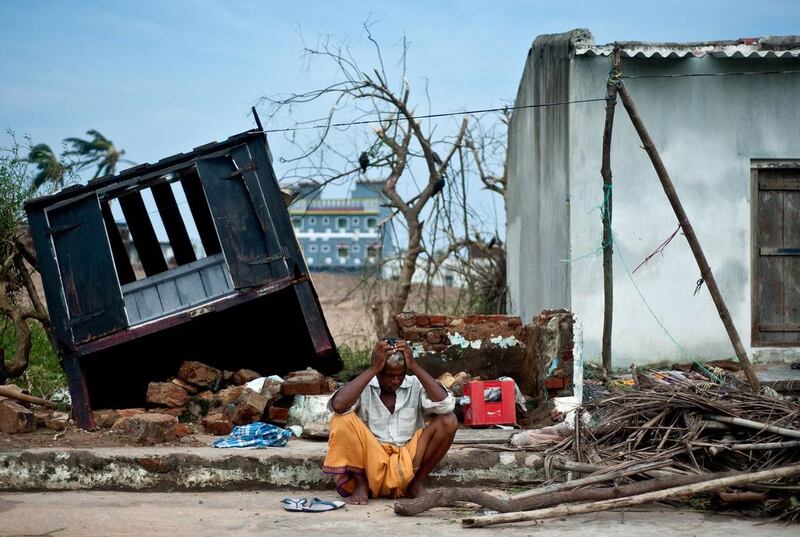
(707, 130)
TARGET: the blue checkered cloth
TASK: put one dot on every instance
(256, 434)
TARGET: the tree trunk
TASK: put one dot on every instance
(448, 497)
(710, 483)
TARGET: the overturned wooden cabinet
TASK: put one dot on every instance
(191, 258)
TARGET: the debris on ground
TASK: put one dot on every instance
(696, 436)
(21, 412)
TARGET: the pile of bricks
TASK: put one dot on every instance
(19, 416)
(204, 399)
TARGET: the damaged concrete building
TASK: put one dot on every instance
(726, 119)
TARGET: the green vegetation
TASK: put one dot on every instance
(44, 374)
(356, 360)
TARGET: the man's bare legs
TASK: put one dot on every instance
(361, 493)
(432, 445)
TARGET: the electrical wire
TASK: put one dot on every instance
(430, 116)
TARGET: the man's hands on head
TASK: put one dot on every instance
(380, 353)
(411, 364)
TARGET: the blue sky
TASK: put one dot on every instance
(160, 77)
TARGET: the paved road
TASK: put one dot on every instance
(228, 514)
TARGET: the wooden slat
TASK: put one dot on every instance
(770, 269)
(198, 205)
(173, 223)
(122, 261)
(779, 327)
(779, 184)
(132, 309)
(791, 264)
(793, 251)
(191, 289)
(168, 293)
(142, 232)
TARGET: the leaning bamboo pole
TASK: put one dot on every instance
(691, 237)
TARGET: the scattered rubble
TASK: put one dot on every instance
(696, 435)
(214, 400)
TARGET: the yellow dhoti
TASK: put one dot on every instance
(353, 449)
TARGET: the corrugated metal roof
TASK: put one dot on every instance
(765, 47)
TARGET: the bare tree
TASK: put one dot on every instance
(401, 148)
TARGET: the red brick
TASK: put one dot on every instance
(249, 408)
(554, 383)
(329, 385)
(200, 374)
(57, 421)
(438, 320)
(230, 395)
(278, 414)
(243, 376)
(147, 428)
(217, 424)
(457, 323)
(433, 337)
(177, 412)
(299, 387)
(41, 418)
(191, 390)
(128, 412)
(182, 430)
(422, 320)
(404, 320)
(308, 382)
(166, 394)
(15, 418)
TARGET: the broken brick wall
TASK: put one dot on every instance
(492, 346)
(550, 336)
(488, 346)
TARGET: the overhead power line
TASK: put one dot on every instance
(527, 106)
(429, 116)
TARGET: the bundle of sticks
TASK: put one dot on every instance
(723, 447)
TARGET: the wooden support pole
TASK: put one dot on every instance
(608, 246)
(565, 509)
(688, 231)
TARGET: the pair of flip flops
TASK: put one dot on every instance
(315, 505)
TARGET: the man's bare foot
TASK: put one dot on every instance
(416, 489)
(360, 495)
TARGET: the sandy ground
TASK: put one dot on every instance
(345, 301)
(86, 514)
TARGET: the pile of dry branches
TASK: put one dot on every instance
(722, 447)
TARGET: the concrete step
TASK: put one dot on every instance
(297, 465)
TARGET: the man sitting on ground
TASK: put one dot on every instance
(379, 444)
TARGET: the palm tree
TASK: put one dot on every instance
(99, 151)
(50, 168)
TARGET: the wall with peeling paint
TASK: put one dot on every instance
(707, 130)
